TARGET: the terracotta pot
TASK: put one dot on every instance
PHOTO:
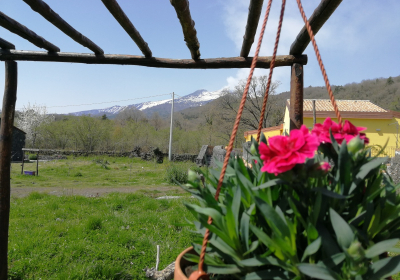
(181, 263)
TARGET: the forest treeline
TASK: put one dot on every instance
(210, 124)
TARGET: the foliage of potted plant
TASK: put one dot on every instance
(308, 206)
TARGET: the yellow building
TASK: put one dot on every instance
(382, 125)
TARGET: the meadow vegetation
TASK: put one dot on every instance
(109, 237)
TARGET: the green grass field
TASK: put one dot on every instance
(114, 236)
(110, 237)
(94, 172)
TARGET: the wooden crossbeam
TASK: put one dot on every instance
(6, 45)
(189, 32)
(211, 63)
(43, 9)
(24, 32)
(320, 15)
(120, 16)
(253, 18)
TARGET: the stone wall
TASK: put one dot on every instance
(394, 168)
(136, 152)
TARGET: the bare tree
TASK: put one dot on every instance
(130, 114)
(31, 118)
(230, 101)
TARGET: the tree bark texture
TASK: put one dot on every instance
(210, 63)
(320, 15)
(189, 32)
(253, 18)
(296, 96)
(114, 8)
(7, 121)
(44, 10)
(21, 30)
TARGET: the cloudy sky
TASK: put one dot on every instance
(360, 41)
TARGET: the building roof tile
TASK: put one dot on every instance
(344, 105)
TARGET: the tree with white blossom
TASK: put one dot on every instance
(30, 119)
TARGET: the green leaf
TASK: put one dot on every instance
(329, 245)
(384, 268)
(329, 193)
(312, 248)
(381, 247)
(317, 272)
(273, 218)
(244, 230)
(275, 274)
(344, 234)
(226, 269)
(344, 166)
(269, 184)
(259, 261)
(253, 246)
(334, 260)
(317, 208)
(365, 170)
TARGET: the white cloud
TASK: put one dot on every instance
(356, 30)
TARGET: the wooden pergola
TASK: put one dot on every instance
(8, 53)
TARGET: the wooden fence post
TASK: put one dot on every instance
(296, 96)
(7, 121)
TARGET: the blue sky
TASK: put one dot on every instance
(360, 41)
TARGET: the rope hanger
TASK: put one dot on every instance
(200, 273)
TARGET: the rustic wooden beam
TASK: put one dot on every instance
(7, 121)
(6, 45)
(120, 16)
(211, 63)
(253, 18)
(320, 15)
(189, 32)
(296, 96)
(24, 32)
(43, 9)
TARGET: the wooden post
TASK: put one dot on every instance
(314, 109)
(22, 166)
(7, 121)
(37, 164)
(296, 96)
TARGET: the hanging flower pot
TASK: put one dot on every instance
(308, 206)
(181, 263)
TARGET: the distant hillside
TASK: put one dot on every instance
(384, 92)
(163, 107)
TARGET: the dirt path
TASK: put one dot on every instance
(98, 191)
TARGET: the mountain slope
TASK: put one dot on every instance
(162, 107)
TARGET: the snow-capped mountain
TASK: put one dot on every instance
(163, 107)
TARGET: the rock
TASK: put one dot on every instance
(165, 274)
(394, 168)
(218, 155)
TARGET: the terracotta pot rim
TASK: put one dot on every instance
(180, 261)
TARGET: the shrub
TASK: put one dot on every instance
(32, 157)
(177, 174)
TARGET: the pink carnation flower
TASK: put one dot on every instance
(347, 132)
(284, 152)
(325, 166)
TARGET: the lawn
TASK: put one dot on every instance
(97, 173)
(108, 237)
(92, 236)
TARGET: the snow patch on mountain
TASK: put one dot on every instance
(195, 99)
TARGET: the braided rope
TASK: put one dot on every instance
(271, 70)
(321, 65)
(201, 272)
